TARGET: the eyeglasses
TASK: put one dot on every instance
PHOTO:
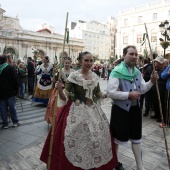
(86, 60)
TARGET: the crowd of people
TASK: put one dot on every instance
(83, 137)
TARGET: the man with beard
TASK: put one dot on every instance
(125, 86)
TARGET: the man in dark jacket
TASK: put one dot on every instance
(146, 72)
(30, 70)
(8, 90)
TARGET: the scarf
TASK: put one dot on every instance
(121, 71)
(2, 66)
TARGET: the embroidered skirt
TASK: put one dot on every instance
(80, 142)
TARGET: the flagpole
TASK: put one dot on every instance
(35, 78)
(55, 105)
(160, 106)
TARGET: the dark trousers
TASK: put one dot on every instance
(156, 104)
(126, 125)
(148, 101)
(30, 83)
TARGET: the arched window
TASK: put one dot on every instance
(125, 38)
(41, 53)
(139, 38)
(9, 50)
(65, 55)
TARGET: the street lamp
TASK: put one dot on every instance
(165, 31)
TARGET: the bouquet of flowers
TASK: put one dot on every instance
(35, 51)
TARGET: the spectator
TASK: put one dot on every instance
(30, 70)
(22, 80)
(146, 71)
(159, 66)
(8, 90)
(166, 63)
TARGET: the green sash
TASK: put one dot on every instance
(121, 71)
(2, 66)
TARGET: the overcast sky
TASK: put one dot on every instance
(33, 13)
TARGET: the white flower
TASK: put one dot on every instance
(35, 51)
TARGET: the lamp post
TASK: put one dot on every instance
(165, 31)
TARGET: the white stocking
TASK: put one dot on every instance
(137, 151)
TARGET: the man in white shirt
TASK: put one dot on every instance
(125, 86)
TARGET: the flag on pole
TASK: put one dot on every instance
(144, 38)
(67, 36)
(56, 59)
(4, 51)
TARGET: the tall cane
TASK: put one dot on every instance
(27, 83)
(160, 106)
(35, 79)
(167, 110)
(55, 106)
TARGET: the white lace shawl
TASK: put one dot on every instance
(44, 71)
(88, 85)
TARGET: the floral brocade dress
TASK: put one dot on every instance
(44, 85)
(82, 138)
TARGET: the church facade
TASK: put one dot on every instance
(20, 42)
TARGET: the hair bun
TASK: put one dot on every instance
(67, 58)
(79, 57)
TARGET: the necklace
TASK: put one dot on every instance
(86, 76)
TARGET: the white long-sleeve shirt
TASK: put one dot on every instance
(114, 92)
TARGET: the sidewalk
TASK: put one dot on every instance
(20, 147)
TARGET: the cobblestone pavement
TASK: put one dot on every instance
(20, 147)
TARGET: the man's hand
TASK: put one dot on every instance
(134, 95)
(154, 77)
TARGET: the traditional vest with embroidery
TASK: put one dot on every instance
(127, 86)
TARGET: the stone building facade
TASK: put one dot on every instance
(14, 39)
(130, 27)
(95, 35)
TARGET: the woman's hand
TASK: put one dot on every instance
(59, 85)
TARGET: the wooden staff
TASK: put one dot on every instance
(27, 83)
(168, 110)
(35, 78)
(20, 99)
(160, 106)
(55, 105)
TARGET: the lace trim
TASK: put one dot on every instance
(43, 87)
(89, 85)
(61, 103)
(87, 137)
(46, 70)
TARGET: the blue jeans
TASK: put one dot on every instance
(4, 104)
(22, 89)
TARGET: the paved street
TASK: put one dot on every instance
(20, 147)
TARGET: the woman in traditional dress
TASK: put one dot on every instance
(64, 75)
(82, 138)
(44, 84)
